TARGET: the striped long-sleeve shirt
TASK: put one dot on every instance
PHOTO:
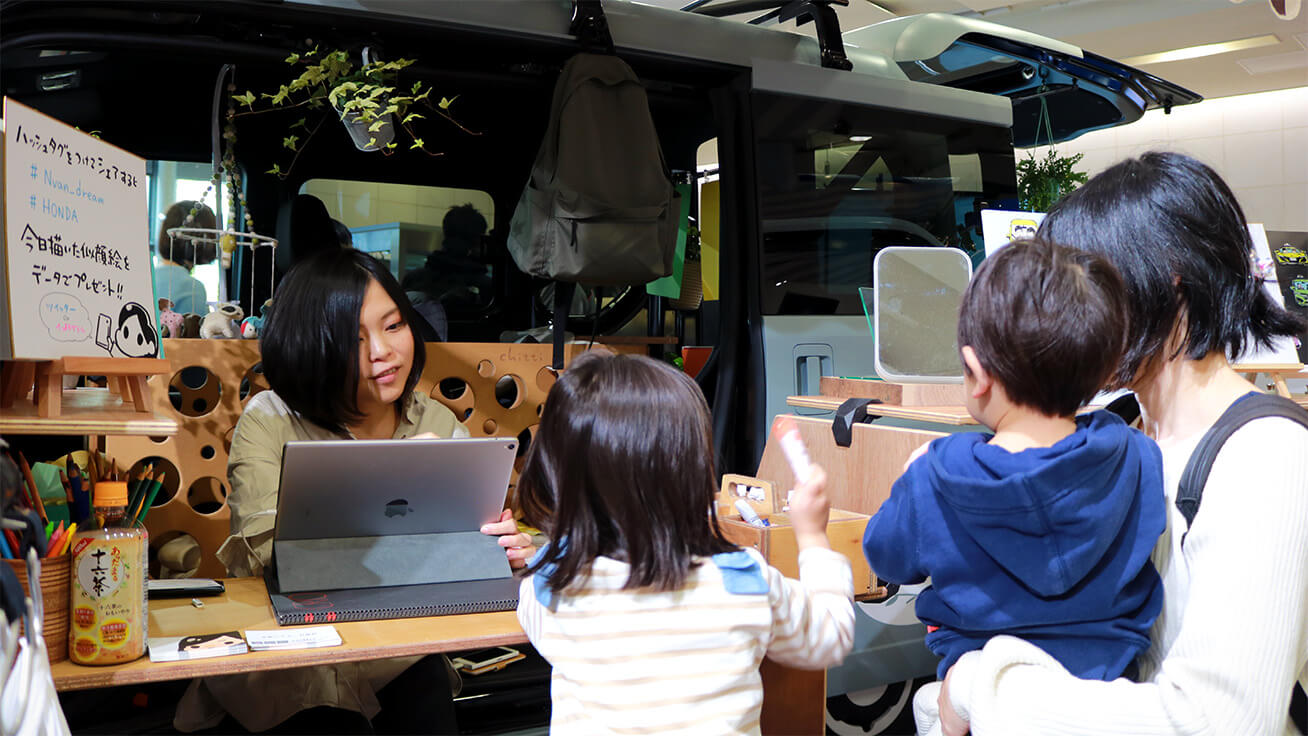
(685, 661)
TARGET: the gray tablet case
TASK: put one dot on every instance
(379, 527)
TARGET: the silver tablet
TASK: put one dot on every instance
(371, 488)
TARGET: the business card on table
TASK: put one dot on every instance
(198, 646)
(299, 637)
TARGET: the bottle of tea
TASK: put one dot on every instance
(109, 583)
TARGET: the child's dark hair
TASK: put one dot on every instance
(1046, 322)
(310, 343)
(1177, 235)
(184, 251)
(622, 466)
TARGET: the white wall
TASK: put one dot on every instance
(1258, 143)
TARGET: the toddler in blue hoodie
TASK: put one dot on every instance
(1042, 530)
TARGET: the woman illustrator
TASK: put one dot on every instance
(341, 360)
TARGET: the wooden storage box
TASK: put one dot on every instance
(777, 542)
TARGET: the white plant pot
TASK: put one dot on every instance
(362, 138)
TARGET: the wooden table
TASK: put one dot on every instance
(245, 605)
(794, 700)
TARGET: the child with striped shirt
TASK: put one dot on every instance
(652, 621)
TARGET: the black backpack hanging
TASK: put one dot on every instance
(599, 208)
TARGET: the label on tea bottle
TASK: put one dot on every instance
(108, 605)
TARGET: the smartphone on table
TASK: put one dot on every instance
(485, 660)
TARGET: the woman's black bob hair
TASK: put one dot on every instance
(1178, 237)
(622, 466)
(310, 343)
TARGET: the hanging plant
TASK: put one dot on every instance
(368, 100)
(1042, 182)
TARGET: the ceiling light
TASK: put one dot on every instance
(860, 138)
(1208, 49)
(1273, 63)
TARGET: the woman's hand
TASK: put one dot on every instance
(516, 544)
(951, 724)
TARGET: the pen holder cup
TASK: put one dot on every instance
(54, 595)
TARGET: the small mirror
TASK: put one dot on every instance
(917, 292)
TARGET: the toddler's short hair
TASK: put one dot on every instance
(1047, 322)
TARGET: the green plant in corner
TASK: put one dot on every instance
(1043, 181)
(368, 100)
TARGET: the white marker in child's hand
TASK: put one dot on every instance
(793, 448)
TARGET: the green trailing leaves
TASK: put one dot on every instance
(1043, 181)
(370, 95)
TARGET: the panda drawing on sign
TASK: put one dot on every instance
(135, 336)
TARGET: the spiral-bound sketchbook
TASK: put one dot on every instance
(401, 601)
(372, 529)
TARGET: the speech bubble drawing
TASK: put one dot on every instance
(65, 317)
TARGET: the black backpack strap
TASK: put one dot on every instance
(1191, 488)
(563, 291)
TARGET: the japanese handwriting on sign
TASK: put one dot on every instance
(63, 152)
(54, 245)
(83, 281)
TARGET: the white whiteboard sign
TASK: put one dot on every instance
(1001, 227)
(76, 249)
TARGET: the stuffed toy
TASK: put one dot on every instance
(191, 325)
(222, 321)
(253, 324)
(170, 322)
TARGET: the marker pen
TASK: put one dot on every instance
(747, 513)
(792, 446)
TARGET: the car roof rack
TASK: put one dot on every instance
(819, 12)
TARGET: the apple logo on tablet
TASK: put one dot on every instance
(398, 507)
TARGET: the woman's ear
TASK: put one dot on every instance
(979, 382)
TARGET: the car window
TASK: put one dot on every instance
(175, 181)
(839, 182)
(433, 238)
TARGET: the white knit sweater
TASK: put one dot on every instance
(1233, 634)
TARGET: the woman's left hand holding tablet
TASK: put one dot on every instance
(516, 544)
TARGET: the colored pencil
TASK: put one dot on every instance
(149, 500)
(68, 539)
(68, 489)
(56, 538)
(30, 492)
(81, 494)
(12, 544)
(138, 487)
(37, 503)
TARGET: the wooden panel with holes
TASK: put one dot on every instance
(204, 391)
(494, 389)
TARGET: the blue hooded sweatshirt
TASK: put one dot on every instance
(1050, 544)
